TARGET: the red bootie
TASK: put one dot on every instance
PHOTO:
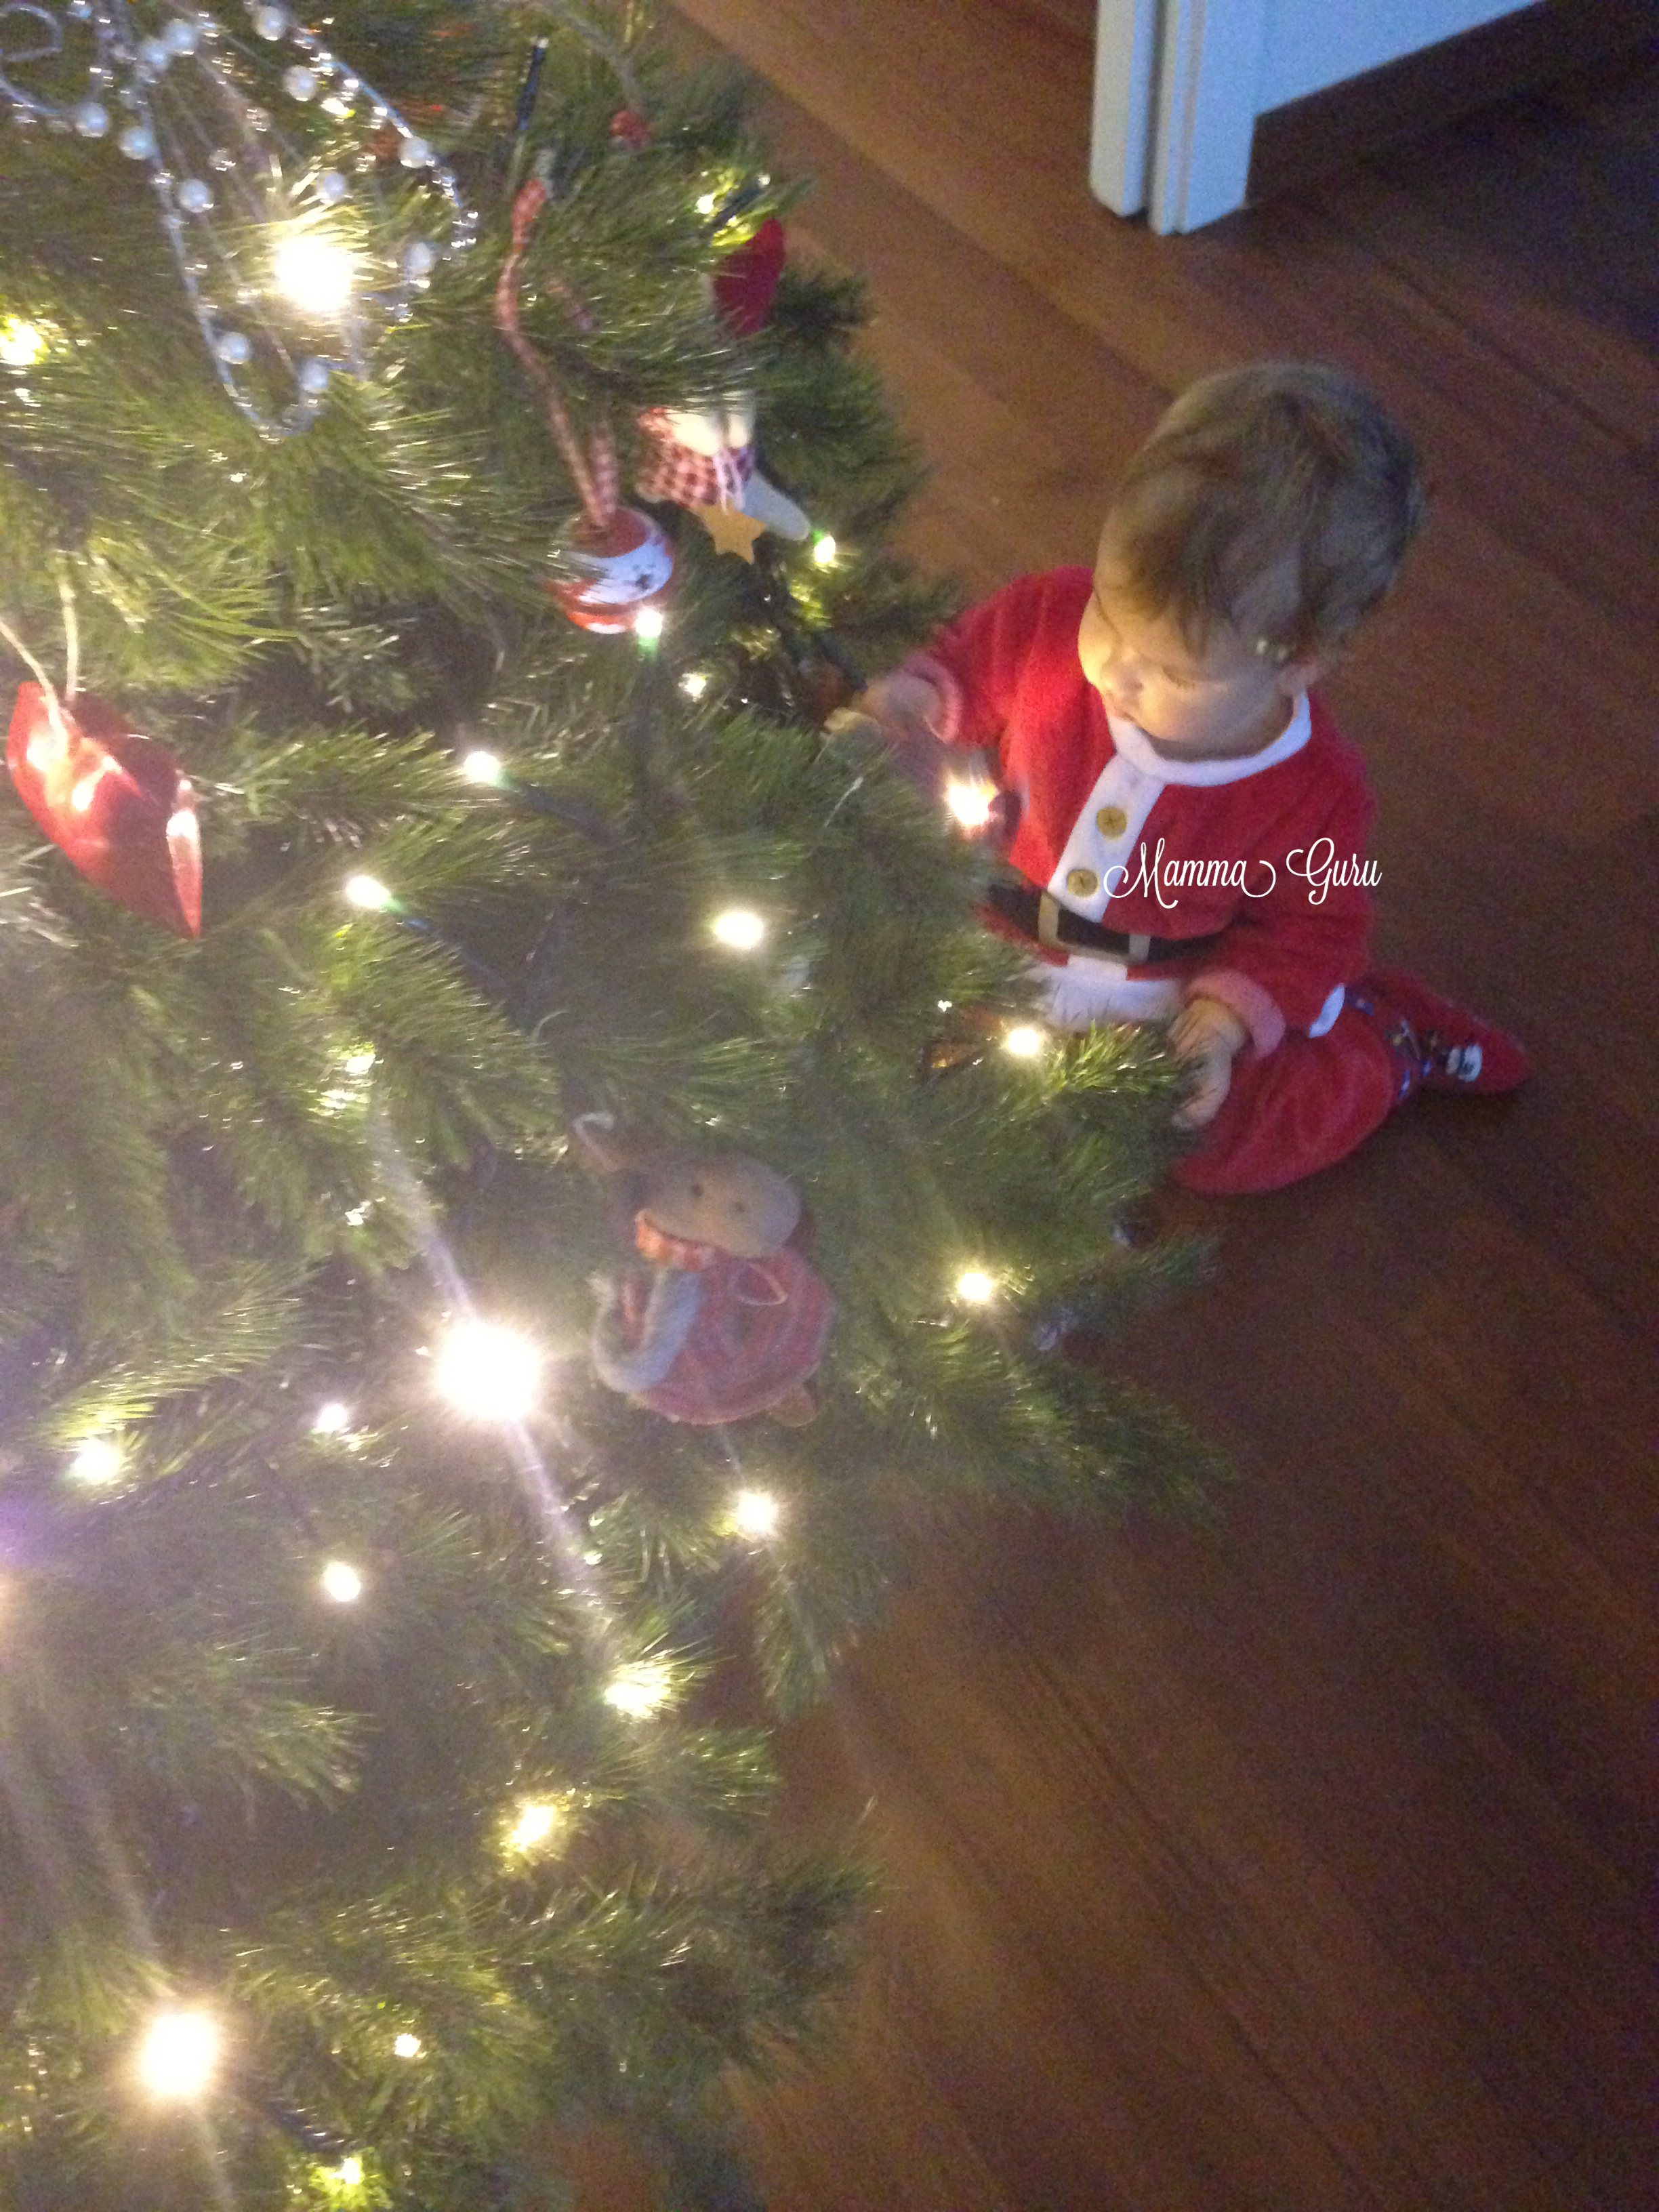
(1440, 1047)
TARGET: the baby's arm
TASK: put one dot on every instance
(1209, 1036)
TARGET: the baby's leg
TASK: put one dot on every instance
(1307, 1105)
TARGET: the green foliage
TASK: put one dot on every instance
(247, 1177)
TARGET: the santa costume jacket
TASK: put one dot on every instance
(1262, 856)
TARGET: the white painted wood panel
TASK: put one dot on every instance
(1179, 84)
(1310, 44)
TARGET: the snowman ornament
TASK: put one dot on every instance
(703, 458)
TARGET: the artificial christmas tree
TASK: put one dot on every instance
(361, 1812)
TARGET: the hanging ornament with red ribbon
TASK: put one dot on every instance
(624, 562)
(703, 458)
(116, 803)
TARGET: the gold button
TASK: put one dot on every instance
(1111, 822)
(1082, 883)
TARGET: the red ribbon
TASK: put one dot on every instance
(594, 471)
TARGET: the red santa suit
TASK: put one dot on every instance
(1241, 879)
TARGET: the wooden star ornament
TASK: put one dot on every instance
(731, 529)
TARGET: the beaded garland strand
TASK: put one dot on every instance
(186, 87)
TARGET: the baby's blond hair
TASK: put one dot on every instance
(1279, 499)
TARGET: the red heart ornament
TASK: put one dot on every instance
(116, 803)
(746, 281)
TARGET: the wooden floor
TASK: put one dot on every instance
(1303, 1863)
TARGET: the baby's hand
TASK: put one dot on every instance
(902, 708)
(907, 706)
(1209, 1036)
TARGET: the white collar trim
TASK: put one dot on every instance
(1134, 745)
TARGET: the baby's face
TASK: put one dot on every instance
(1226, 701)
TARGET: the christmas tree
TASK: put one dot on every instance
(516, 1155)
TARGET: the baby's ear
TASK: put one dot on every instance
(1294, 676)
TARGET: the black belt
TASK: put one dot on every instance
(1039, 916)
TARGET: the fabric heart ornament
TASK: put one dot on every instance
(115, 803)
(746, 281)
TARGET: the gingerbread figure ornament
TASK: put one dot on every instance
(726, 1319)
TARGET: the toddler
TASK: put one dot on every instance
(1186, 827)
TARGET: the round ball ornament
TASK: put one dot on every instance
(622, 569)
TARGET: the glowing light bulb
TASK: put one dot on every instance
(648, 625)
(706, 203)
(349, 2173)
(534, 1824)
(755, 1513)
(739, 927)
(640, 1688)
(1025, 1041)
(177, 2057)
(970, 801)
(694, 684)
(333, 1419)
(825, 551)
(975, 1287)
(98, 1460)
(487, 1372)
(315, 273)
(481, 767)
(342, 1582)
(407, 2045)
(368, 893)
(21, 343)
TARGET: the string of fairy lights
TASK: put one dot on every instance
(490, 1372)
(487, 1371)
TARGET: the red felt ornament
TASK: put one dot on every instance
(116, 803)
(746, 281)
(628, 128)
(625, 566)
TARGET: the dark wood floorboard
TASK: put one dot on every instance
(1301, 1862)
